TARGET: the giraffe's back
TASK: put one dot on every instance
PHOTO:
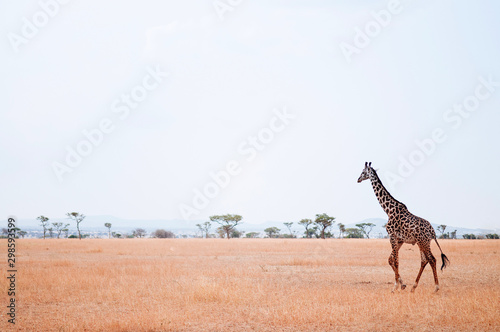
(411, 229)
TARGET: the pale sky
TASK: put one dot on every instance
(180, 90)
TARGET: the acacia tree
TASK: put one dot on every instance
(354, 233)
(78, 218)
(324, 221)
(108, 226)
(227, 222)
(289, 226)
(306, 223)
(139, 232)
(17, 232)
(44, 222)
(365, 228)
(59, 228)
(441, 228)
(272, 231)
(204, 228)
(341, 230)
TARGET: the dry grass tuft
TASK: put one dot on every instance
(249, 284)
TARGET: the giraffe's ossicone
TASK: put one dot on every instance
(404, 227)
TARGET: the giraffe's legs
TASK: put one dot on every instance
(432, 262)
(394, 263)
(422, 267)
(427, 257)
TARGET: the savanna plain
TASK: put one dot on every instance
(248, 285)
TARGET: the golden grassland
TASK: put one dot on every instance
(248, 285)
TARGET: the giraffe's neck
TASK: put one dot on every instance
(387, 202)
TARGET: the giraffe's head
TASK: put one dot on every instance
(367, 172)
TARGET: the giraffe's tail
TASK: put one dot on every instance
(445, 259)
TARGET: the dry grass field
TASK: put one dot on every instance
(249, 285)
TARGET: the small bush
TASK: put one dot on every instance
(163, 234)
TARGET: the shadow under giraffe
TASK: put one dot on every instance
(404, 227)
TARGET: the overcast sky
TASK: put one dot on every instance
(132, 108)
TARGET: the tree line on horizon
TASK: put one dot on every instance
(319, 228)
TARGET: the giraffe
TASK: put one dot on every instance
(404, 227)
